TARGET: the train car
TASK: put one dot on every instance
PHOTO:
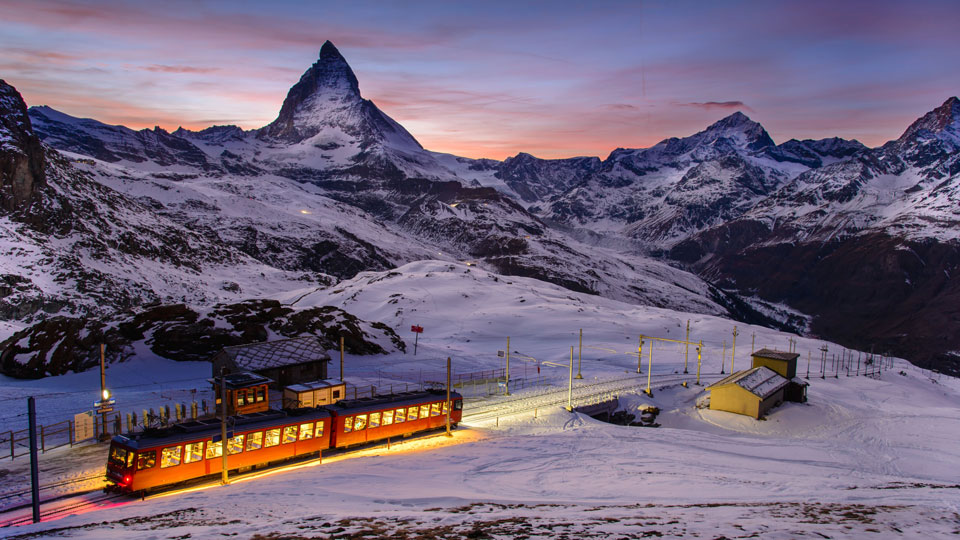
(159, 458)
(364, 420)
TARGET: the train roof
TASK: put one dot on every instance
(400, 399)
(205, 429)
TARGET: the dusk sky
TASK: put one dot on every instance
(491, 79)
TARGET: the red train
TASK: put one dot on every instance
(159, 458)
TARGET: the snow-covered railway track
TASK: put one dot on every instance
(70, 505)
(586, 394)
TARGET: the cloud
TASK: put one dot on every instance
(159, 68)
(722, 105)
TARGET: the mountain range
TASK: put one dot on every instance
(825, 237)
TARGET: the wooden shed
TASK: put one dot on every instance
(285, 361)
(785, 364)
(314, 394)
(751, 392)
(246, 393)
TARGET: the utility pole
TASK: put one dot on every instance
(34, 465)
(224, 478)
(570, 387)
(104, 394)
(580, 356)
(733, 352)
(449, 410)
(823, 361)
(686, 350)
(640, 353)
(649, 370)
(341, 359)
(723, 357)
(753, 340)
(699, 351)
(808, 364)
(507, 384)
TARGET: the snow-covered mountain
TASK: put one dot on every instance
(335, 186)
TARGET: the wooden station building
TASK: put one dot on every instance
(785, 364)
(284, 362)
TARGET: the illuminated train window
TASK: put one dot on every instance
(412, 413)
(214, 449)
(457, 405)
(194, 452)
(254, 441)
(170, 456)
(374, 419)
(445, 407)
(360, 422)
(305, 431)
(401, 416)
(424, 411)
(319, 431)
(272, 438)
(348, 424)
(235, 445)
(146, 460)
(434, 409)
(289, 434)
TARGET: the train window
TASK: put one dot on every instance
(400, 416)
(147, 459)
(235, 445)
(261, 394)
(374, 419)
(412, 413)
(170, 456)
(424, 411)
(254, 441)
(319, 431)
(305, 431)
(360, 423)
(458, 405)
(348, 424)
(446, 407)
(214, 449)
(272, 438)
(289, 434)
(118, 456)
(387, 417)
(193, 452)
(434, 409)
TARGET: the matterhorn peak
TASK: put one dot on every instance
(329, 83)
(945, 118)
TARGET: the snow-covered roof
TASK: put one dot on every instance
(776, 355)
(315, 385)
(273, 354)
(759, 381)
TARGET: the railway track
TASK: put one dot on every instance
(584, 394)
(60, 507)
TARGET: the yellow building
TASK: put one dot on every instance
(751, 392)
(785, 364)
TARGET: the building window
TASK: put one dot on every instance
(194, 452)
(170, 456)
(374, 420)
(305, 431)
(214, 449)
(336, 394)
(254, 441)
(272, 438)
(387, 417)
(261, 394)
(289, 434)
(146, 460)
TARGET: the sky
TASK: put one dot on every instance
(494, 78)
